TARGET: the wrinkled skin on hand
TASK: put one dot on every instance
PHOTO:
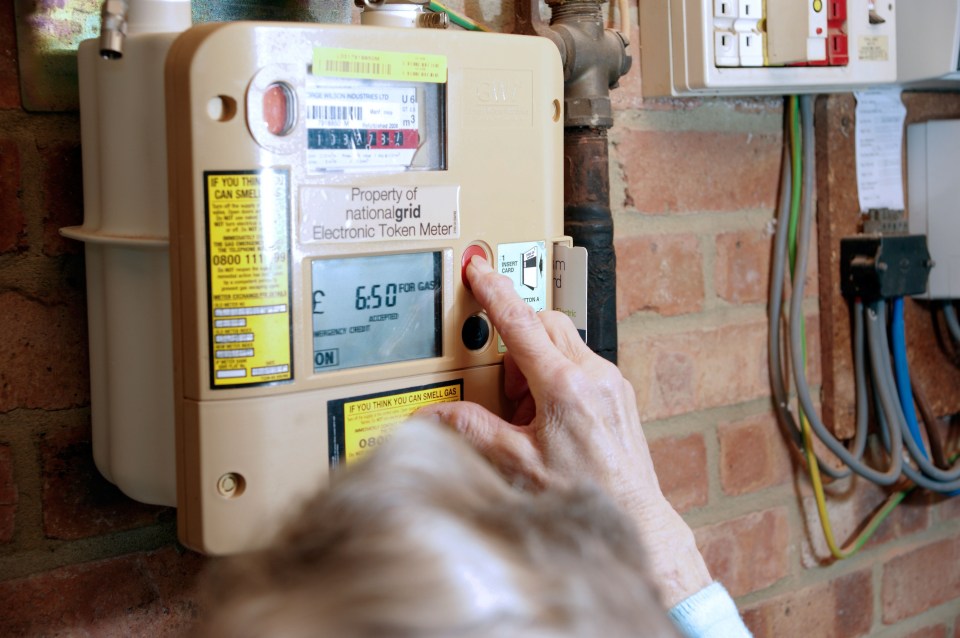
(576, 419)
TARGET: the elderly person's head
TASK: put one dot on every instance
(424, 538)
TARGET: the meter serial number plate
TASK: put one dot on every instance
(373, 310)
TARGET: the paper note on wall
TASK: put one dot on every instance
(879, 141)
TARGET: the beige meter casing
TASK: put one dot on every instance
(326, 183)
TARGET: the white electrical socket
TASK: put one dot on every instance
(751, 48)
(683, 51)
(727, 47)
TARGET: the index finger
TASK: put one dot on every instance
(521, 330)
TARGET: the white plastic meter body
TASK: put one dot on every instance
(326, 185)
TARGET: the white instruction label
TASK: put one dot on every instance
(523, 263)
(344, 214)
(358, 124)
(570, 284)
(879, 139)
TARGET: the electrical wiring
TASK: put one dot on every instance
(892, 474)
(888, 387)
(774, 315)
(926, 474)
(889, 374)
(898, 343)
(458, 19)
(788, 212)
(797, 170)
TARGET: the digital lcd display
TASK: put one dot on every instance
(373, 310)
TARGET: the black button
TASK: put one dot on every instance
(475, 333)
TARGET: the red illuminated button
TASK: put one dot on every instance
(469, 253)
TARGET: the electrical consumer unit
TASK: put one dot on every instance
(750, 47)
(933, 200)
(327, 186)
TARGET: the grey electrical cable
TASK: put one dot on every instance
(776, 301)
(950, 314)
(888, 386)
(860, 379)
(892, 473)
(915, 475)
(894, 421)
(777, 383)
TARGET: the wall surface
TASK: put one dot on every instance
(694, 189)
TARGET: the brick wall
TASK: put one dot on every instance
(694, 187)
(694, 193)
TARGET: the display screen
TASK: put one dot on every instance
(373, 310)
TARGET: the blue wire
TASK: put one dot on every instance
(902, 372)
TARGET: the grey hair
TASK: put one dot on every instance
(423, 538)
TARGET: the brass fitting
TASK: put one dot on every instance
(113, 28)
(594, 60)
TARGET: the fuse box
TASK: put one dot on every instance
(749, 47)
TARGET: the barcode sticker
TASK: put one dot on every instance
(379, 65)
(360, 123)
(345, 114)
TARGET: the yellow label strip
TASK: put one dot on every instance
(379, 65)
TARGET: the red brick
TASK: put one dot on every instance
(63, 190)
(659, 273)
(700, 171)
(950, 508)
(850, 507)
(761, 105)
(13, 224)
(841, 608)
(679, 373)
(681, 464)
(749, 553)
(753, 455)
(8, 488)
(934, 631)
(8, 494)
(9, 71)
(7, 523)
(43, 362)
(740, 264)
(146, 594)
(742, 272)
(920, 579)
(77, 501)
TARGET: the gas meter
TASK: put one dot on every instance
(327, 186)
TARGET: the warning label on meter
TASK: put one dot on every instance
(248, 253)
(357, 425)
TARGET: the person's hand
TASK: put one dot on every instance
(576, 419)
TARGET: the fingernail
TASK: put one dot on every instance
(481, 264)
